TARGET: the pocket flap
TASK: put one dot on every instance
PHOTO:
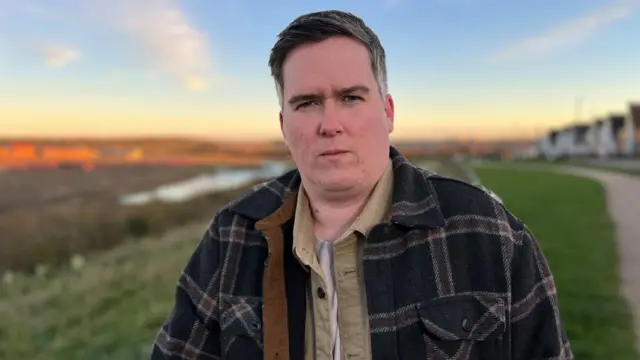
(464, 317)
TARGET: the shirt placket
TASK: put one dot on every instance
(352, 315)
(321, 315)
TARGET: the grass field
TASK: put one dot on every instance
(110, 309)
(567, 214)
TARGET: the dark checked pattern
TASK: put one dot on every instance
(453, 275)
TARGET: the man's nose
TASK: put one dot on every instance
(330, 123)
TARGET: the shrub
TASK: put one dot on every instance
(137, 226)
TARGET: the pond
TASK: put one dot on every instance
(204, 184)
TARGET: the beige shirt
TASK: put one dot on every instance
(337, 316)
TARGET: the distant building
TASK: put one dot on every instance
(593, 136)
(580, 146)
(629, 136)
(572, 141)
(610, 136)
(548, 146)
(563, 142)
(609, 141)
(634, 114)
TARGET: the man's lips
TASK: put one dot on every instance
(333, 152)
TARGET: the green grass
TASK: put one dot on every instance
(567, 215)
(110, 309)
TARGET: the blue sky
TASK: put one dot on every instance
(485, 68)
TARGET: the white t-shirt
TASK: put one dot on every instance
(324, 252)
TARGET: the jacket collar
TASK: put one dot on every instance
(414, 200)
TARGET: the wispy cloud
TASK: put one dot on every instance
(166, 41)
(165, 38)
(37, 10)
(58, 55)
(570, 33)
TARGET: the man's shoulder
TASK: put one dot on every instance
(460, 199)
(263, 198)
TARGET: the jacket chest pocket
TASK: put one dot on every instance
(469, 327)
(241, 328)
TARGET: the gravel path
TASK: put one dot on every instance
(623, 202)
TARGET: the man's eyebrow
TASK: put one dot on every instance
(305, 97)
(319, 96)
(352, 89)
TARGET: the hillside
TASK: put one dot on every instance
(109, 309)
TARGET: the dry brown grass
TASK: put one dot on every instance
(39, 230)
(26, 189)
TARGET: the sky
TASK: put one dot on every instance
(456, 68)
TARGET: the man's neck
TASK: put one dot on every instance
(333, 213)
(331, 217)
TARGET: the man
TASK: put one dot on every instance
(357, 254)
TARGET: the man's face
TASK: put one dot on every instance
(334, 120)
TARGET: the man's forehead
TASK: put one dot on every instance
(305, 70)
(320, 82)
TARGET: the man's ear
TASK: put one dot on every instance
(284, 137)
(389, 110)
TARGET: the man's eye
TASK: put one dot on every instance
(305, 104)
(351, 98)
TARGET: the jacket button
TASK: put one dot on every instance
(466, 325)
(320, 292)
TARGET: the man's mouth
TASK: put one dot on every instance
(333, 152)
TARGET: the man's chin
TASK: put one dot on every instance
(338, 182)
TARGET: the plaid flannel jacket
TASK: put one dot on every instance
(452, 275)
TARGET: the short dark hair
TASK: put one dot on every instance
(318, 26)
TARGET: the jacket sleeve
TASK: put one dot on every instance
(192, 329)
(536, 327)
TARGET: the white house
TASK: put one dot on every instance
(608, 144)
(593, 136)
(580, 145)
(548, 146)
(634, 114)
(629, 135)
(572, 141)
